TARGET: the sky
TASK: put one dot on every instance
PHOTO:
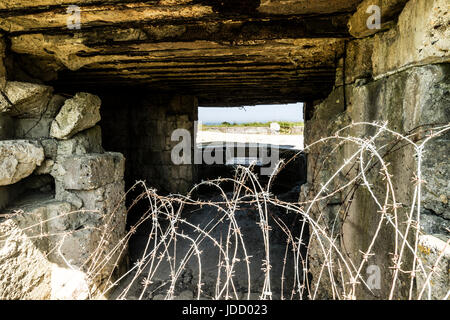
(262, 113)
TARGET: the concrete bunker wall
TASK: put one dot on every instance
(399, 75)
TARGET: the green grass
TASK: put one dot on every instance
(283, 124)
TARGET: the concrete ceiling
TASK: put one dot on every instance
(227, 52)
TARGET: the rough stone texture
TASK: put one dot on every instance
(24, 268)
(96, 246)
(46, 167)
(156, 166)
(79, 113)
(377, 80)
(62, 258)
(24, 99)
(6, 127)
(63, 195)
(55, 104)
(35, 122)
(228, 52)
(358, 59)
(32, 128)
(69, 284)
(38, 125)
(94, 183)
(398, 48)
(431, 223)
(2, 64)
(88, 141)
(429, 43)
(33, 267)
(430, 250)
(18, 159)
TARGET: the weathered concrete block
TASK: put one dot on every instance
(62, 224)
(34, 267)
(69, 284)
(55, 104)
(25, 99)
(25, 269)
(101, 228)
(431, 223)
(76, 247)
(67, 196)
(88, 141)
(18, 159)
(358, 62)
(91, 171)
(61, 217)
(46, 250)
(415, 97)
(38, 126)
(50, 147)
(79, 113)
(420, 37)
(46, 167)
(436, 173)
(2, 64)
